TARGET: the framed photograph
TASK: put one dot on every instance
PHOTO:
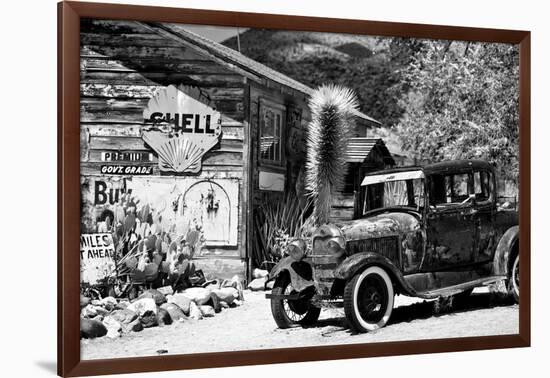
(240, 188)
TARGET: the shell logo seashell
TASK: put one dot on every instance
(181, 126)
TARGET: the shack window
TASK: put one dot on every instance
(271, 130)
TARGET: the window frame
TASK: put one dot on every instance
(280, 109)
(492, 186)
(450, 206)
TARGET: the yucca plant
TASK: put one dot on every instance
(277, 224)
(332, 124)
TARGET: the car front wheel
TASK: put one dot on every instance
(288, 313)
(513, 279)
(368, 300)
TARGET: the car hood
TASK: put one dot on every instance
(381, 224)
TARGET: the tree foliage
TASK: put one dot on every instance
(460, 101)
(445, 100)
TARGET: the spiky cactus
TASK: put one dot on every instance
(331, 126)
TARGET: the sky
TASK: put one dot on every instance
(215, 33)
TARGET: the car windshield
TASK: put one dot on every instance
(403, 189)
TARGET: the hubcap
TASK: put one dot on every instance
(296, 310)
(372, 298)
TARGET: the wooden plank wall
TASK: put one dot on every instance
(256, 94)
(122, 66)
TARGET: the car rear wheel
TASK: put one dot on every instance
(513, 279)
(288, 313)
(368, 300)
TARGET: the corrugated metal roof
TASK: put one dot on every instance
(360, 148)
(242, 62)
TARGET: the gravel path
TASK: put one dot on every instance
(251, 326)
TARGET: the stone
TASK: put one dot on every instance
(194, 311)
(84, 301)
(257, 284)
(199, 295)
(109, 303)
(114, 328)
(91, 311)
(88, 311)
(207, 311)
(122, 305)
(143, 305)
(270, 284)
(99, 318)
(163, 317)
(259, 273)
(90, 329)
(124, 316)
(181, 300)
(134, 326)
(236, 303)
(149, 319)
(176, 313)
(227, 294)
(156, 295)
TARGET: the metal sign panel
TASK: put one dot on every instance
(183, 127)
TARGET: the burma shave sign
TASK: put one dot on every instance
(97, 257)
(181, 128)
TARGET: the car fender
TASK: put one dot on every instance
(360, 261)
(300, 272)
(503, 250)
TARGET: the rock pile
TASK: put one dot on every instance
(112, 318)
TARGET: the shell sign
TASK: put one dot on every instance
(181, 128)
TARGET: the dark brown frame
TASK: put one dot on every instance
(69, 14)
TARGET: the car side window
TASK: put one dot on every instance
(483, 186)
(448, 190)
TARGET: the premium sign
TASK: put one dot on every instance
(183, 128)
(97, 257)
(126, 156)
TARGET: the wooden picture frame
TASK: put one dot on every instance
(69, 15)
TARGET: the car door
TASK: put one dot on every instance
(484, 215)
(450, 221)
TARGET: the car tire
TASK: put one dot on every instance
(291, 313)
(513, 279)
(368, 300)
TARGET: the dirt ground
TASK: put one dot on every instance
(251, 326)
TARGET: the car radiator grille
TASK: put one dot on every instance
(387, 246)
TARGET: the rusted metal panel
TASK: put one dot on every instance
(300, 273)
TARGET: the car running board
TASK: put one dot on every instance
(457, 289)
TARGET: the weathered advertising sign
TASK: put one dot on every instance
(97, 257)
(124, 169)
(183, 127)
(126, 156)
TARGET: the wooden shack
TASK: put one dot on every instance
(364, 155)
(183, 132)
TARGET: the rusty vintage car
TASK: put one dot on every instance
(428, 232)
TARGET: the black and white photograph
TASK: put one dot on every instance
(246, 189)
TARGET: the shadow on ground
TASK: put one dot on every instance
(428, 309)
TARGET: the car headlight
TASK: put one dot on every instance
(297, 249)
(336, 244)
